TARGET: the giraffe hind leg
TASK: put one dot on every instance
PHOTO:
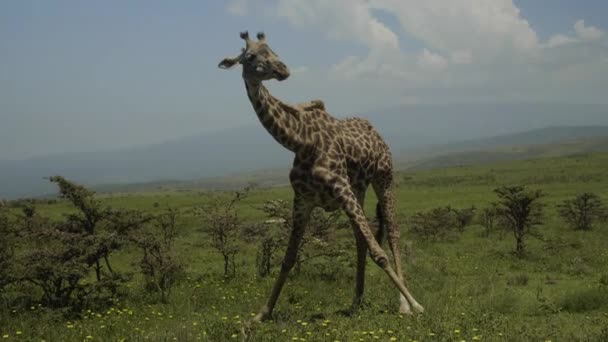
(343, 193)
(384, 192)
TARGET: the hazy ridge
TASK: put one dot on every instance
(420, 137)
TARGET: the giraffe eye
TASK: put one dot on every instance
(250, 57)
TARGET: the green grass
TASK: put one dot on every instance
(472, 288)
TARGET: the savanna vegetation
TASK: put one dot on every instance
(505, 252)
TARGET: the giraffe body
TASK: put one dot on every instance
(335, 162)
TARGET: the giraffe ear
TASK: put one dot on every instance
(228, 63)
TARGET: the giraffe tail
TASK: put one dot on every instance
(381, 231)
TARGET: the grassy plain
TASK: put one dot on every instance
(473, 288)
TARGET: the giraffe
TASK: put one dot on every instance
(335, 162)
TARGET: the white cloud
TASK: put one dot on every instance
(299, 69)
(587, 32)
(480, 26)
(559, 40)
(456, 33)
(461, 57)
(340, 19)
(238, 7)
(582, 34)
(465, 44)
(431, 61)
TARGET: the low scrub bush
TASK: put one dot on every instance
(160, 264)
(583, 211)
(440, 223)
(585, 300)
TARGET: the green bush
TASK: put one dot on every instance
(160, 264)
(521, 210)
(319, 241)
(583, 211)
(7, 247)
(439, 223)
(585, 300)
(518, 280)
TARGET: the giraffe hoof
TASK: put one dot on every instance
(246, 332)
(353, 311)
(418, 308)
(261, 317)
(405, 312)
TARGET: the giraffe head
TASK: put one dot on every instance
(259, 62)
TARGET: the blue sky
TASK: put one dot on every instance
(83, 76)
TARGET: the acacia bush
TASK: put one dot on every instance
(269, 240)
(464, 217)
(440, 223)
(223, 225)
(490, 218)
(53, 258)
(57, 257)
(7, 246)
(160, 264)
(93, 221)
(583, 211)
(319, 241)
(521, 210)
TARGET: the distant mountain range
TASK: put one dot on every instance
(509, 153)
(475, 152)
(417, 135)
(545, 139)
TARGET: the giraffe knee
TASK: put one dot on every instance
(381, 259)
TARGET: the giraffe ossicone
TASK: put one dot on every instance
(336, 160)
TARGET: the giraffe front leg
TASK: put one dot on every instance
(301, 216)
(360, 277)
(361, 255)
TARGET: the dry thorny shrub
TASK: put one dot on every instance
(583, 211)
(222, 223)
(54, 259)
(319, 241)
(521, 210)
(160, 263)
(441, 223)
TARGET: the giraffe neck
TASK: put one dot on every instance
(284, 126)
